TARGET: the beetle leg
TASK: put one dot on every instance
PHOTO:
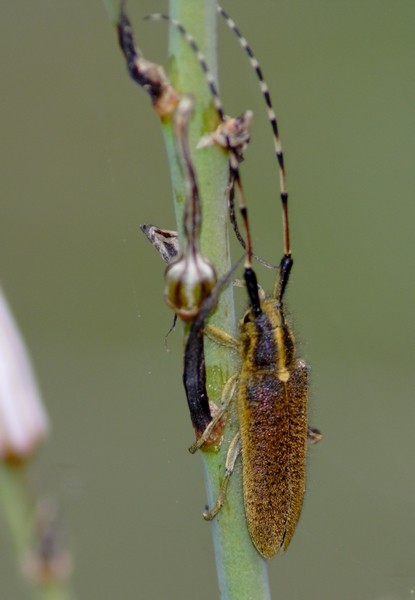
(227, 395)
(220, 337)
(313, 435)
(233, 453)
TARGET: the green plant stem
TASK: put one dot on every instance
(242, 572)
(17, 505)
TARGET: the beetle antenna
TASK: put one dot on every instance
(287, 262)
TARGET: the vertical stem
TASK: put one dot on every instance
(17, 505)
(242, 572)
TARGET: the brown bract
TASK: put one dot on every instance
(232, 133)
(163, 95)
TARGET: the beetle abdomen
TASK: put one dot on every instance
(273, 423)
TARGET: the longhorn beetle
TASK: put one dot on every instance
(271, 392)
(271, 388)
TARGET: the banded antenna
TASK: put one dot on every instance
(287, 261)
(232, 134)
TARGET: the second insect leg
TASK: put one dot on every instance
(233, 453)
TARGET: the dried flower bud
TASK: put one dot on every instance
(232, 133)
(188, 281)
(150, 76)
(23, 420)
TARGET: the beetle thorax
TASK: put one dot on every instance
(266, 341)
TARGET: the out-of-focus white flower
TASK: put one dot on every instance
(23, 419)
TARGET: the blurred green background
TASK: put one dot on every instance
(83, 164)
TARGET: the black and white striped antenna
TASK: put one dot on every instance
(286, 263)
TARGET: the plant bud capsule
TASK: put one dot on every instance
(188, 281)
(23, 420)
